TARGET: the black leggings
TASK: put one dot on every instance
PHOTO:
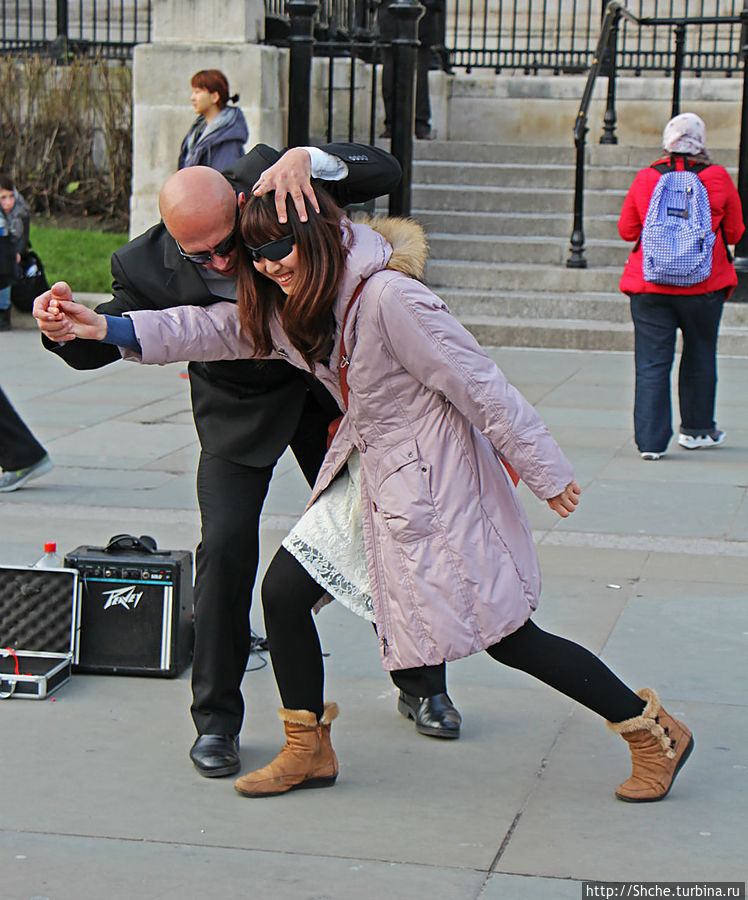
(289, 593)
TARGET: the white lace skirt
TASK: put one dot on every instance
(328, 541)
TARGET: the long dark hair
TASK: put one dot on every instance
(305, 315)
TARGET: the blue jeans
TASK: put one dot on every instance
(5, 297)
(657, 318)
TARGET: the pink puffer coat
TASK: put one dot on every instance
(450, 556)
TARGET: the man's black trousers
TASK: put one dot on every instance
(231, 496)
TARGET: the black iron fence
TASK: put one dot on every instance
(546, 36)
(530, 36)
(606, 61)
(105, 28)
(559, 36)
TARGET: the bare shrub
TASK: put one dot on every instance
(67, 135)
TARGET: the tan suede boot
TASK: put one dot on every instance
(307, 760)
(659, 746)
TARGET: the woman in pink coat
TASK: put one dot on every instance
(414, 521)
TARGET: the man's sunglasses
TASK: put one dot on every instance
(223, 249)
(273, 250)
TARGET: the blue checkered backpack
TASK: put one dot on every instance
(677, 238)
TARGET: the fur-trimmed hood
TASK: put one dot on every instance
(408, 241)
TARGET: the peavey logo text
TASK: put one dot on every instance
(126, 596)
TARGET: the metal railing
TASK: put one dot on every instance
(549, 36)
(105, 28)
(607, 58)
(559, 36)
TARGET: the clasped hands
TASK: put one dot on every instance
(61, 319)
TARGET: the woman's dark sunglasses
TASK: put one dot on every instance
(273, 250)
(223, 249)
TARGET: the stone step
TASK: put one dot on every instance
(581, 305)
(512, 199)
(520, 175)
(596, 154)
(565, 334)
(519, 276)
(574, 334)
(494, 153)
(519, 248)
(538, 224)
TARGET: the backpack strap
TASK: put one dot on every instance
(695, 168)
(669, 166)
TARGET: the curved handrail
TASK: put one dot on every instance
(613, 13)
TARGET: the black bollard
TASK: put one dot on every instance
(301, 45)
(406, 14)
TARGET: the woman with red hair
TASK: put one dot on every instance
(219, 132)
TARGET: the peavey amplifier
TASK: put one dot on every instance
(133, 609)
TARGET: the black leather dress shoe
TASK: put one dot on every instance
(216, 755)
(435, 716)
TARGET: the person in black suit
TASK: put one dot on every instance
(430, 35)
(246, 413)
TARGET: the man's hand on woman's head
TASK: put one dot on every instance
(61, 319)
(291, 174)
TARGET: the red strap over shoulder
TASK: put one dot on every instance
(343, 363)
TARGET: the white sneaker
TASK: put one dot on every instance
(11, 481)
(701, 441)
(648, 454)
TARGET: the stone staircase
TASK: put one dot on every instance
(499, 220)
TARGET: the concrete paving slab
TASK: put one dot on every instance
(25, 528)
(739, 530)
(501, 887)
(103, 799)
(589, 394)
(175, 492)
(708, 663)
(122, 445)
(40, 866)
(681, 466)
(699, 571)
(696, 834)
(652, 508)
(174, 410)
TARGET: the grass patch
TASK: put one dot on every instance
(80, 257)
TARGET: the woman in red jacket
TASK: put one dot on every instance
(659, 310)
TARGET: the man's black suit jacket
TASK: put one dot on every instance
(245, 411)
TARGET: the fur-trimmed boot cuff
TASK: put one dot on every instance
(306, 761)
(659, 745)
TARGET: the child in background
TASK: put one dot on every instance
(14, 235)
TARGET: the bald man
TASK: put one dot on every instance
(246, 414)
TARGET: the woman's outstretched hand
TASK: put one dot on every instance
(565, 503)
(61, 319)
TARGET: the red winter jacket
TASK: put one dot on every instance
(726, 210)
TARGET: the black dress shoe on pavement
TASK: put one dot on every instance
(216, 755)
(434, 716)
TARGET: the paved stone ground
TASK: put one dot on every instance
(98, 796)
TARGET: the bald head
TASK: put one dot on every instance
(198, 206)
